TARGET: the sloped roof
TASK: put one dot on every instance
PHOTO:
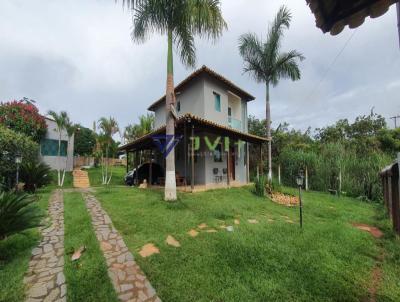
(205, 70)
(334, 15)
(199, 121)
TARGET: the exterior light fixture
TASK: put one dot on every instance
(18, 161)
(300, 181)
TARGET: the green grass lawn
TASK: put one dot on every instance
(329, 260)
(87, 279)
(118, 174)
(68, 180)
(15, 253)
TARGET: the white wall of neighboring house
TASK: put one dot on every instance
(51, 158)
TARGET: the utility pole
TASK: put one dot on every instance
(398, 19)
(395, 120)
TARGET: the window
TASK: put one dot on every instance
(218, 153)
(217, 102)
(229, 111)
(49, 147)
(178, 106)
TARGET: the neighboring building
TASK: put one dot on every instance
(208, 106)
(49, 148)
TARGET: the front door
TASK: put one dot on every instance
(232, 163)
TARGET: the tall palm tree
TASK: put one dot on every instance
(109, 127)
(180, 21)
(61, 120)
(267, 64)
(145, 126)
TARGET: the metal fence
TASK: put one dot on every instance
(391, 189)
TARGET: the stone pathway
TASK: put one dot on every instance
(129, 281)
(45, 280)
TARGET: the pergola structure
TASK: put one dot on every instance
(334, 15)
(187, 126)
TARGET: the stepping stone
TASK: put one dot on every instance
(270, 220)
(252, 221)
(202, 226)
(211, 231)
(148, 250)
(193, 233)
(172, 241)
(237, 221)
(289, 221)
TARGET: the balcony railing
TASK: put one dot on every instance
(235, 123)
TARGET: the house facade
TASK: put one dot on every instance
(211, 132)
(48, 150)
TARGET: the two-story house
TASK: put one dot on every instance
(211, 132)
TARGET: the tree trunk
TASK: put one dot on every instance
(170, 181)
(59, 158)
(268, 128)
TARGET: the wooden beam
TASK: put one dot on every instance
(127, 161)
(185, 152)
(151, 169)
(192, 159)
(247, 163)
(228, 166)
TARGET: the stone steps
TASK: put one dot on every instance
(81, 179)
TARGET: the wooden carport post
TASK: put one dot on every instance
(127, 160)
(192, 160)
(185, 157)
(137, 167)
(228, 164)
(150, 182)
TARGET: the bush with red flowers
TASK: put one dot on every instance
(23, 117)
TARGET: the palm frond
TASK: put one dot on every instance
(251, 49)
(287, 67)
(184, 42)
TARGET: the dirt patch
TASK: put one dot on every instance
(377, 233)
(172, 241)
(284, 199)
(148, 250)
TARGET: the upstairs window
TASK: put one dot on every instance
(217, 102)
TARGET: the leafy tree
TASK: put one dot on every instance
(62, 120)
(180, 21)
(267, 64)
(84, 141)
(23, 117)
(108, 128)
(12, 144)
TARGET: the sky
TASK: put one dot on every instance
(78, 56)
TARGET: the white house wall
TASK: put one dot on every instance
(56, 162)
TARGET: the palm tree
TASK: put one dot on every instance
(71, 129)
(180, 21)
(145, 126)
(108, 127)
(61, 120)
(267, 64)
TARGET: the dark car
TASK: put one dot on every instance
(144, 169)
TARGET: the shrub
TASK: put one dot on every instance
(259, 185)
(17, 213)
(11, 144)
(35, 175)
(23, 117)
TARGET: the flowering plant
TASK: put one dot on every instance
(23, 117)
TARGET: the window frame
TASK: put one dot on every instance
(217, 100)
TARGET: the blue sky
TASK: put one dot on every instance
(78, 56)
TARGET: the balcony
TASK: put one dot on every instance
(235, 123)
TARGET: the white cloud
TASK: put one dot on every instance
(78, 56)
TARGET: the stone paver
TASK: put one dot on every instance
(45, 279)
(129, 281)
